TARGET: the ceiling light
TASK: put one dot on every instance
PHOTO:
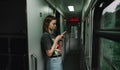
(71, 8)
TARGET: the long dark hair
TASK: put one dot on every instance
(47, 21)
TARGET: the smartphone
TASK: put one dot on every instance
(64, 32)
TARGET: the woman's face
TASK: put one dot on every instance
(52, 25)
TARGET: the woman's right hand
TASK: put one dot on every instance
(59, 37)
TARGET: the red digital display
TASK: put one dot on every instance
(74, 20)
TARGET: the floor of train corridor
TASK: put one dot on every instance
(73, 62)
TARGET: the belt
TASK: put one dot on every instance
(55, 56)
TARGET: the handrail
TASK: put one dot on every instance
(34, 62)
(10, 54)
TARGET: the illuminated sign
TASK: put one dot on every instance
(74, 20)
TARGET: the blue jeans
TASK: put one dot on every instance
(54, 63)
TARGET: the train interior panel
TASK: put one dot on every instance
(91, 42)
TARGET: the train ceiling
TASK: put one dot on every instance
(62, 7)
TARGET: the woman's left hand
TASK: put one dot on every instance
(59, 51)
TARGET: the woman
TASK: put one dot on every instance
(50, 44)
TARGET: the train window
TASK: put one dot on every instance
(110, 54)
(111, 16)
